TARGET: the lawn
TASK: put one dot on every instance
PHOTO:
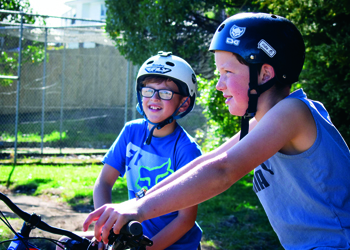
(232, 220)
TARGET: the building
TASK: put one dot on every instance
(85, 9)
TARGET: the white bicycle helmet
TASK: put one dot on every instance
(179, 71)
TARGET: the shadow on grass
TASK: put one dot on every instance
(81, 203)
(119, 195)
(28, 188)
(84, 203)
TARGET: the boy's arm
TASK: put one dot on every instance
(175, 229)
(222, 149)
(103, 185)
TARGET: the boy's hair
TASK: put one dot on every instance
(278, 85)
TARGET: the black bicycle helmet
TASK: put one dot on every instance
(262, 38)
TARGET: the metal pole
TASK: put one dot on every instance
(18, 86)
(62, 94)
(126, 93)
(134, 97)
(43, 98)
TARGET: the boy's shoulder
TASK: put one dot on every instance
(136, 123)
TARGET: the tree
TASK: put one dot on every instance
(15, 5)
(32, 52)
(185, 27)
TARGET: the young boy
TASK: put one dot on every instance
(149, 150)
(301, 162)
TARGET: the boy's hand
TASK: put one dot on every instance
(111, 216)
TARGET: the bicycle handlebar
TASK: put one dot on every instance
(39, 224)
(132, 229)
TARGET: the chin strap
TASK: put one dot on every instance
(254, 92)
(167, 121)
(158, 126)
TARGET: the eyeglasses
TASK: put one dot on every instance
(164, 94)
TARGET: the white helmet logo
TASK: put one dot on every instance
(267, 48)
(157, 68)
(236, 31)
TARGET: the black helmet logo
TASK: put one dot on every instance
(158, 69)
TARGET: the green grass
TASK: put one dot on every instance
(71, 184)
(31, 137)
(5, 232)
(235, 219)
(231, 220)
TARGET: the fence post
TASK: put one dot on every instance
(18, 87)
(134, 96)
(126, 93)
(43, 98)
(62, 93)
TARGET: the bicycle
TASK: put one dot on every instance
(130, 237)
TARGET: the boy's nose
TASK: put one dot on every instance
(155, 95)
(220, 85)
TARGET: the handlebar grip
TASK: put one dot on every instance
(132, 228)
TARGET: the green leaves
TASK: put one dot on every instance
(221, 124)
(34, 53)
(142, 28)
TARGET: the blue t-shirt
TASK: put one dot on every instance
(147, 165)
(307, 196)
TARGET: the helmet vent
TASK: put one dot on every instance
(273, 16)
(150, 62)
(194, 79)
(170, 64)
(221, 27)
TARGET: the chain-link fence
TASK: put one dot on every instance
(66, 87)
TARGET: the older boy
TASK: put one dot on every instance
(301, 161)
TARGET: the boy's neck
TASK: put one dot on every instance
(269, 99)
(166, 130)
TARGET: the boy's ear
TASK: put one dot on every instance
(267, 72)
(185, 105)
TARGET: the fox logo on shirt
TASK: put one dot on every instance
(148, 176)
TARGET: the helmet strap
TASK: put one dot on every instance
(167, 121)
(158, 126)
(139, 104)
(254, 92)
